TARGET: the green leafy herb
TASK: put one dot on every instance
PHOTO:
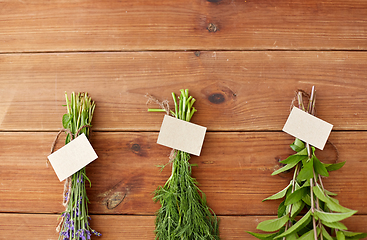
(74, 222)
(306, 190)
(184, 213)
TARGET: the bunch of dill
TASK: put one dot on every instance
(184, 213)
(74, 223)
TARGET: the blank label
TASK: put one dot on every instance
(72, 157)
(181, 135)
(307, 128)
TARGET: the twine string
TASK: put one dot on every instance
(67, 184)
(172, 155)
(163, 104)
(307, 96)
(68, 132)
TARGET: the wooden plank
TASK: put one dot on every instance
(235, 91)
(42, 226)
(233, 170)
(35, 25)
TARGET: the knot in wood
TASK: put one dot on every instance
(212, 28)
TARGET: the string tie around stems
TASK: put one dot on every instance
(67, 184)
(68, 132)
(298, 97)
(165, 106)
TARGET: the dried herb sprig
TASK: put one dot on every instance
(74, 223)
(184, 213)
(306, 191)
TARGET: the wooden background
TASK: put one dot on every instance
(242, 61)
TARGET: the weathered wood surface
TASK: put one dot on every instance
(235, 91)
(233, 170)
(241, 60)
(36, 226)
(57, 25)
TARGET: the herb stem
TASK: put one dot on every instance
(322, 185)
(156, 110)
(310, 110)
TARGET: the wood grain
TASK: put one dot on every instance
(107, 25)
(42, 226)
(235, 91)
(233, 170)
(241, 60)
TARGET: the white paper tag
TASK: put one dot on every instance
(72, 157)
(308, 128)
(181, 135)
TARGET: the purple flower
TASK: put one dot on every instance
(80, 234)
(66, 234)
(72, 225)
(80, 179)
(96, 233)
(88, 235)
(77, 211)
(66, 196)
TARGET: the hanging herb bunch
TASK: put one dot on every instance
(184, 213)
(74, 220)
(306, 191)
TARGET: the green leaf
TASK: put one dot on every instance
(292, 236)
(307, 171)
(319, 167)
(354, 235)
(336, 225)
(308, 235)
(263, 236)
(296, 195)
(320, 194)
(335, 166)
(297, 207)
(307, 200)
(293, 159)
(65, 120)
(326, 234)
(283, 169)
(281, 209)
(330, 193)
(303, 152)
(333, 217)
(272, 224)
(340, 235)
(295, 148)
(334, 205)
(297, 145)
(279, 194)
(300, 224)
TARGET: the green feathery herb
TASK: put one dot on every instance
(306, 191)
(184, 213)
(74, 223)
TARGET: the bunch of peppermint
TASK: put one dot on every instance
(184, 214)
(307, 192)
(74, 220)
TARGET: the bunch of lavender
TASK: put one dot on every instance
(184, 213)
(74, 223)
